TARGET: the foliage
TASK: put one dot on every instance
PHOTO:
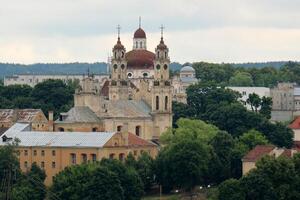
(231, 189)
(253, 138)
(241, 79)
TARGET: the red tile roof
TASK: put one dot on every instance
(140, 59)
(139, 33)
(19, 115)
(295, 124)
(258, 152)
(136, 141)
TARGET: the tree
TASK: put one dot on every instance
(241, 79)
(191, 129)
(266, 107)
(180, 110)
(254, 101)
(253, 138)
(144, 167)
(231, 189)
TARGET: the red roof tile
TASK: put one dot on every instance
(295, 124)
(139, 33)
(140, 59)
(258, 152)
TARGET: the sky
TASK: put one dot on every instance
(57, 31)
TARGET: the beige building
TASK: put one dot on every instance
(53, 151)
(249, 160)
(139, 93)
(36, 117)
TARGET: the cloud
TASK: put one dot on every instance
(85, 30)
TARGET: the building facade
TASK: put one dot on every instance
(53, 151)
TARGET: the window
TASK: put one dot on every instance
(25, 152)
(34, 152)
(94, 129)
(122, 66)
(136, 44)
(53, 153)
(84, 158)
(119, 128)
(111, 156)
(145, 74)
(166, 102)
(121, 156)
(157, 103)
(165, 67)
(42, 153)
(137, 130)
(158, 67)
(43, 164)
(60, 129)
(158, 54)
(244, 93)
(53, 164)
(134, 152)
(141, 44)
(166, 55)
(129, 75)
(94, 157)
(25, 164)
(73, 158)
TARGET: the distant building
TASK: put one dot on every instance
(53, 151)
(249, 160)
(36, 117)
(245, 91)
(186, 77)
(33, 79)
(295, 126)
(286, 102)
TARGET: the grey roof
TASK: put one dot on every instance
(188, 79)
(187, 69)
(297, 91)
(127, 108)
(80, 114)
(56, 139)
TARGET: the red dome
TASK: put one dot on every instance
(140, 59)
(140, 33)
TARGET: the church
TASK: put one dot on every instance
(137, 95)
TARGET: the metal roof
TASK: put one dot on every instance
(187, 69)
(188, 80)
(80, 114)
(297, 91)
(56, 139)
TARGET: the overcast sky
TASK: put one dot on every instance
(34, 31)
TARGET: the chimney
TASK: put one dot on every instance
(50, 121)
(124, 132)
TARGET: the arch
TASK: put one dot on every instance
(157, 103)
(111, 156)
(165, 66)
(95, 129)
(129, 75)
(136, 44)
(122, 66)
(145, 74)
(121, 156)
(141, 44)
(115, 54)
(158, 67)
(61, 129)
(138, 130)
(115, 66)
(157, 54)
(166, 102)
(119, 128)
(123, 54)
(166, 54)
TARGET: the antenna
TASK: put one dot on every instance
(162, 31)
(140, 21)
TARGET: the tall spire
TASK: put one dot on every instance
(140, 22)
(118, 28)
(162, 31)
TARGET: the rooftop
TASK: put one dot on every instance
(19, 115)
(80, 114)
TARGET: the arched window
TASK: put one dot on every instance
(60, 129)
(166, 54)
(115, 54)
(122, 54)
(111, 156)
(138, 130)
(94, 129)
(141, 44)
(157, 102)
(136, 44)
(121, 156)
(158, 54)
(129, 75)
(165, 67)
(122, 66)
(166, 102)
(119, 128)
(145, 74)
(158, 67)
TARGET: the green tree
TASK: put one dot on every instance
(254, 101)
(145, 169)
(241, 79)
(253, 138)
(231, 189)
(266, 107)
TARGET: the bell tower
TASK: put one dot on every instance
(162, 89)
(118, 88)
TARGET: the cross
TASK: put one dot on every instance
(118, 28)
(162, 30)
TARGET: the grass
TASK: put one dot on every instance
(164, 197)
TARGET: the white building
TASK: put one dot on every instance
(33, 79)
(245, 91)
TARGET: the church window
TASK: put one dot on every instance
(138, 130)
(73, 158)
(136, 44)
(94, 129)
(119, 128)
(157, 103)
(145, 74)
(115, 66)
(158, 54)
(122, 54)
(129, 75)
(166, 102)
(158, 67)
(165, 67)
(111, 156)
(122, 66)
(166, 54)
(141, 44)
(115, 54)
(121, 156)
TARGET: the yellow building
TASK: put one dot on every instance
(53, 151)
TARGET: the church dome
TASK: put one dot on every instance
(139, 33)
(140, 59)
(187, 69)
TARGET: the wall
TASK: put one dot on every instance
(247, 166)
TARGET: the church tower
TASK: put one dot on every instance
(119, 84)
(162, 89)
(139, 38)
